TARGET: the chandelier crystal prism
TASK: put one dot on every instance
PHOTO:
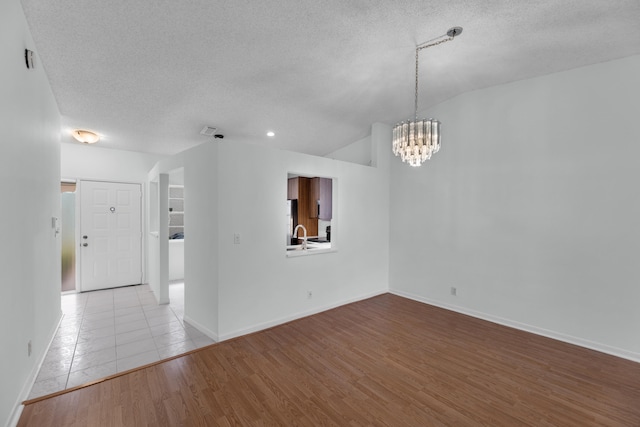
(416, 141)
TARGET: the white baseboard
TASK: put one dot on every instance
(603, 348)
(15, 414)
(201, 328)
(160, 301)
(281, 320)
(31, 379)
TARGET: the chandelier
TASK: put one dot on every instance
(416, 141)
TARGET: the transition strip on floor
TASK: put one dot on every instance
(110, 377)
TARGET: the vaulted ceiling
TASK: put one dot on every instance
(148, 75)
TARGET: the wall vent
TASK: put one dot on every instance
(208, 131)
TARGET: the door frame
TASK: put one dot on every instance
(143, 227)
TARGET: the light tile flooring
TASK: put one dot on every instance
(109, 331)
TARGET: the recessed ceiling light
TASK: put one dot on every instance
(271, 133)
(85, 136)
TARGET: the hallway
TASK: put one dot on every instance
(109, 331)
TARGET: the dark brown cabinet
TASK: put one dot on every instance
(299, 189)
(314, 197)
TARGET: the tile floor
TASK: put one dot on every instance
(109, 331)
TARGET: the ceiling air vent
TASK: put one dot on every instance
(208, 131)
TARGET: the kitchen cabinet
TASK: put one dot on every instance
(292, 189)
(299, 189)
(326, 199)
(314, 197)
(320, 202)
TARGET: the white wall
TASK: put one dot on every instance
(358, 152)
(29, 179)
(93, 162)
(176, 259)
(158, 238)
(201, 253)
(531, 208)
(236, 188)
(258, 285)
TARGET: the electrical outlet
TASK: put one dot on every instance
(454, 291)
(236, 238)
(309, 294)
(29, 348)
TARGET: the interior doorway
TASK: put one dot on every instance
(176, 234)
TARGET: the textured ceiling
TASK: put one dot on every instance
(149, 75)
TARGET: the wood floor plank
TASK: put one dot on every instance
(385, 361)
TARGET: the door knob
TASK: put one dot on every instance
(85, 244)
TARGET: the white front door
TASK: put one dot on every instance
(110, 235)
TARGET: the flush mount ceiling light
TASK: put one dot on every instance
(415, 141)
(85, 136)
(271, 133)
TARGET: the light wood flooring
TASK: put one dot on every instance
(383, 361)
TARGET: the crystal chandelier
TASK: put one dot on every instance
(416, 141)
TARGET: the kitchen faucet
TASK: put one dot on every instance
(304, 239)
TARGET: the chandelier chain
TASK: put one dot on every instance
(418, 49)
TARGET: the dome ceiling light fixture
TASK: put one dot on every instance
(416, 141)
(85, 136)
